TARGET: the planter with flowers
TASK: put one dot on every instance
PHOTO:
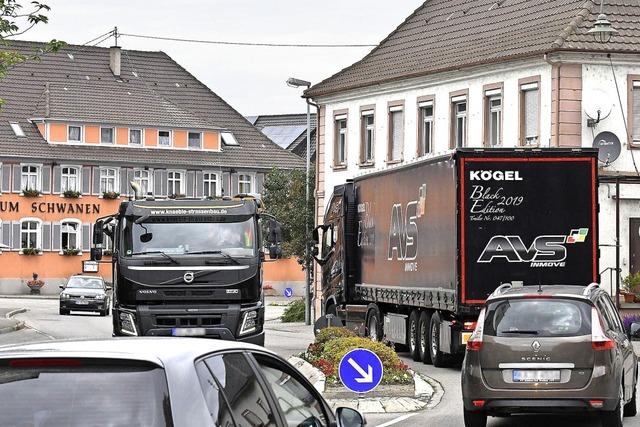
(30, 251)
(71, 194)
(631, 288)
(30, 192)
(35, 284)
(70, 251)
(110, 195)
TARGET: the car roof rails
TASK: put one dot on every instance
(587, 291)
(501, 289)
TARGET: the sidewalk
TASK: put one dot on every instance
(7, 322)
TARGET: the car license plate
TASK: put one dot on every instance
(547, 376)
(82, 302)
(188, 332)
(465, 337)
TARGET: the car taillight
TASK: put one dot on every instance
(40, 363)
(599, 340)
(475, 340)
(470, 326)
(478, 403)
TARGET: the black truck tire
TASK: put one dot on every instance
(423, 338)
(474, 419)
(630, 409)
(438, 358)
(374, 330)
(413, 336)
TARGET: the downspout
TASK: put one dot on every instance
(555, 66)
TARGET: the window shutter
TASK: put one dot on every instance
(397, 140)
(259, 183)
(46, 236)
(531, 108)
(157, 182)
(96, 180)
(6, 234)
(55, 236)
(129, 180)
(6, 178)
(86, 180)
(56, 179)
(46, 179)
(224, 185)
(86, 237)
(124, 185)
(635, 120)
(234, 185)
(17, 179)
(16, 236)
(190, 183)
(199, 183)
(164, 182)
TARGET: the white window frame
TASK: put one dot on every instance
(75, 141)
(398, 109)
(533, 87)
(205, 181)
(113, 134)
(426, 147)
(78, 233)
(250, 182)
(368, 137)
(457, 127)
(116, 187)
(78, 176)
(491, 110)
(38, 176)
(140, 179)
(170, 138)
(141, 137)
(340, 157)
(38, 232)
(183, 178)
(201, 140)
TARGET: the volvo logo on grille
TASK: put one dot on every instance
(535, 346)
(188, 276)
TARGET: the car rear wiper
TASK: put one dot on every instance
(169, 257)
(224, 254)
(520, 331)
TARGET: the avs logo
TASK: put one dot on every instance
(545, 251)
(403, 229)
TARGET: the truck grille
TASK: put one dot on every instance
(187, 321)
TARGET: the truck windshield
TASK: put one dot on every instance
(236, 239)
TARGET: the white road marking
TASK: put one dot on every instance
(396, 420)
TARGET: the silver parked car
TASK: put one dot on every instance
(158, 382)
(85, 293)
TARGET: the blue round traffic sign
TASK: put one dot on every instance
(360, 370)
(288, 292)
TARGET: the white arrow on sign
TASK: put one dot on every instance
(367, 377)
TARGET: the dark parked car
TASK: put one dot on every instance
(85, 293)
(158, 382)
(546, 349)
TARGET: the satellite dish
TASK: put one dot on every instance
(608, 145)
(598, 106)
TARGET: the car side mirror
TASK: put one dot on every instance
(348, 417)
(635, 330)
(275, 251)
(96, 254)
(61, 287)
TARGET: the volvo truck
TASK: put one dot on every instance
(188, 267)
(409, 254)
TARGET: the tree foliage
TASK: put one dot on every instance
(15, 21)
(284, 198)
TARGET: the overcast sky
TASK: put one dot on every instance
(251, 79)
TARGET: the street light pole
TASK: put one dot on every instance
(293, 82)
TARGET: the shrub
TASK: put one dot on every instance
(632, 283)
(629, 319)
(294, 312)
(332, 333)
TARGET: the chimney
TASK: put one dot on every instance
(114, 60)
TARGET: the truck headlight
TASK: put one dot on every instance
(249, 322)
(128, 324)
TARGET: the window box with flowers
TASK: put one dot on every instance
(30, 251)
(110, 195)
(71, 194)
(71, 251)
(31, 192)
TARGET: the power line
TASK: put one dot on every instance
(110, 32)
(219, 42)
(108, 36)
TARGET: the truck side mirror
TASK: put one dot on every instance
(96, 254)
(275, 251)
(98, 232)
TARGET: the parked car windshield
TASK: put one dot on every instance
(85, 282)
(538, 317)
(83, 392)
(236, 239)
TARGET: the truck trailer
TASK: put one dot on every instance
(188, 267)
(409, 254)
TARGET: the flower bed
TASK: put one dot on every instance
(333, 343)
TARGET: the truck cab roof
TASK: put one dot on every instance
(187, 207)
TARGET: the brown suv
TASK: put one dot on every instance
(547, 349)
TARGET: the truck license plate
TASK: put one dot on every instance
(465, 337)
(188, 332)
(536, 376)
(81, 302)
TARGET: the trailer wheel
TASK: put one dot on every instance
(373, 325)
(423, 338)
(438, 358)
(413, 337)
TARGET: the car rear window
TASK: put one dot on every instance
(79, 392)
(544, 317)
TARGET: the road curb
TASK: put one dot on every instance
(19, 324)
(27, 296)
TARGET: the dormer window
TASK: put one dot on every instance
(107, 136)
(135, 137)
(164, 138)
(74, 134)
(195, 140)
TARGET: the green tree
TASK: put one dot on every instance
(15, 21)
(284, 198)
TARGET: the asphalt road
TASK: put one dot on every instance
(45, 322)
